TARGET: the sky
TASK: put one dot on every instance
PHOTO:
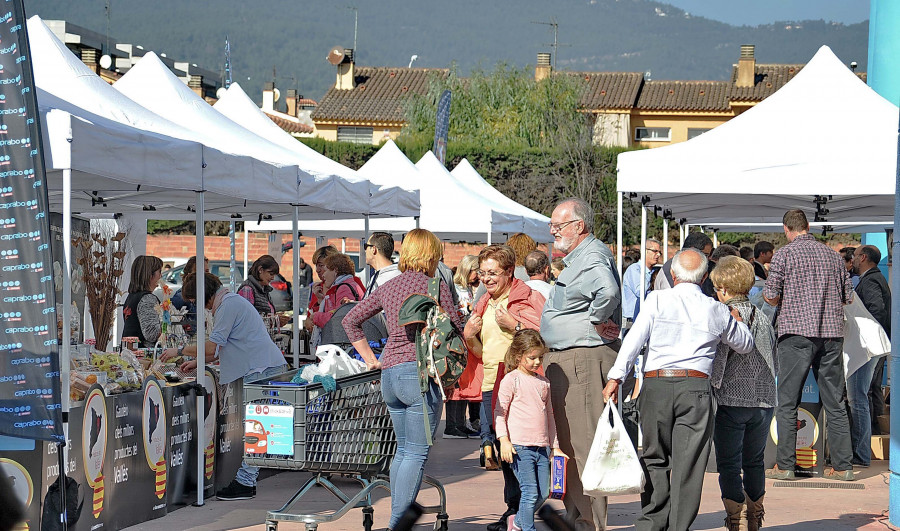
(755, 12)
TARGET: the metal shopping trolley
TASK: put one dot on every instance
(346, 432)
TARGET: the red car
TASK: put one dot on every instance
(255, 440)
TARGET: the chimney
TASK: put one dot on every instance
(195, 83)
(291, 101)
(746, 74)
(542, 70)
(346, 78)
(268, 96)
(91, 58)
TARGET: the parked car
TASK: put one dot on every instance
(220, 268)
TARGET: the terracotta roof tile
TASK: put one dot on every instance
(378, 95)
(307, 101)
(702, 96)
(610, 90)
(768, 79)
(290, 126)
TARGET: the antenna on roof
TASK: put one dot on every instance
(556, 45)
(355, 26)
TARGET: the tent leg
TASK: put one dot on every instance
(362, 250)
(643, 254)
(66, 350)
(295, 330)
(619, 254)
(894, 493)
(233, 264)
(665, 241)
(201, 344)
(246, 251)
(715, 239)
(417, 221)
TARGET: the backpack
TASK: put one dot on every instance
(333, 332)
(440, 350)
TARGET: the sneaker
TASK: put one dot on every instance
(502, 523)
(511, 523)
(470, 433)
(840, 475)
(777, 473)
(236, 491)
(474, 425)
(455, 433)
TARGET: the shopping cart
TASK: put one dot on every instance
(346, 432)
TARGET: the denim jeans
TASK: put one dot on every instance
(532, 467)
(404, 399)
(246, 475)
(740, 435)
(511, 492)
(858, 385)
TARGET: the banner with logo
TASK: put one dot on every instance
(810, 452)
(29, 353)
(442, 127)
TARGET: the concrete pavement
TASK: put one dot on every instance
(475, 498)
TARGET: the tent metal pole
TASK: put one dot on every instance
(295, 302)
(665, 240)
(233, 264)
(417, 221)
(894, 493)
(715, 239)
(66, 350)
(246, 251)
(201, 344)
(362, 250)
(680, 236)
(619, 253)
(643, 257)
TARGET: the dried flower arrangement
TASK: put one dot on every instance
(102, 260)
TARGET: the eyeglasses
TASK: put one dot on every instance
(657, 251)
(556, 227)
(485, 274)
(367, 245)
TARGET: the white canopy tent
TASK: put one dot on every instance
(535, 224)
(385, 198)
(824, 142)
(151, 84)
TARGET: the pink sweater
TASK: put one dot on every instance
(524, 412)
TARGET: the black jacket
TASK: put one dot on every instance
(875, 295)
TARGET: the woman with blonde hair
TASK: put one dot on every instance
(419, 256)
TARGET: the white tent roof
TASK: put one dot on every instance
(451, 211)
(814, 227)
(123, 153)
(825, 133)
(535, 223)
(237, 106)
(153, 85)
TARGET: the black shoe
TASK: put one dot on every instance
(470, 433)
(455, 433)
(236, 491)
(501, 524)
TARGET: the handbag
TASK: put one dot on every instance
(612, 466)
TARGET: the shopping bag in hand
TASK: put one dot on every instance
(612, 466)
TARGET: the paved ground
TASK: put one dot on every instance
(475, 499)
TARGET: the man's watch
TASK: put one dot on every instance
(518, 325)
(181, 351)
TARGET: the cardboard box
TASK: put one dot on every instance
(558, 476)
(881, 447)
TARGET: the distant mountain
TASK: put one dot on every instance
(294, 37)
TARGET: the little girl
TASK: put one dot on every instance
(525, 425)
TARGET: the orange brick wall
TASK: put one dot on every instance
(218, 248)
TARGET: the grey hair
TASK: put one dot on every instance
(582, 211)
(654, 240)
(692, 276)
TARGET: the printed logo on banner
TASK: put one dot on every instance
(807, 436)
(93, 444)
(22, 484)
(209, 423)
(154, 424)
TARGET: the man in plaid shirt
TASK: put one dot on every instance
(811, 284)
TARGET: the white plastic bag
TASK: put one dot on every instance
(333, 361)
(612, 464)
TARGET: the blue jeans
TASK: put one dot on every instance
(740, 435)
(532, 467)
(404, 399)
(858, 385)
(246, 475)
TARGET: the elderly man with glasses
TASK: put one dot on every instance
(580, 325)
(631, 302)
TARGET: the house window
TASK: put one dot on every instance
(652, 134)
(695, 132)
(356, 135)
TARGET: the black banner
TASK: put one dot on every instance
(29, 354)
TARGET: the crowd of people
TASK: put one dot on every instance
(693, 344)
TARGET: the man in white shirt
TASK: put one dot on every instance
(537, 265)
(681, 327)
(379, 249)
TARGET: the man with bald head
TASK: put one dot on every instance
(682, 328)
(580, 325)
